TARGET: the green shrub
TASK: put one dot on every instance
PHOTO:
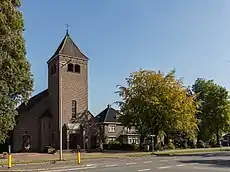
(120, 147)
(171, 146)
(200, 144)
(114, 142)
(167, 147)
(213, 143)
(207, 145)
(185, 144)
(159, 146)
(193, 144)
(135, 147)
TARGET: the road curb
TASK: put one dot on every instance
(66, 161)
(185, 154)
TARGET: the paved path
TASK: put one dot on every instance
(217, 162)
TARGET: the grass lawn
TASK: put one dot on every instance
(191, 151)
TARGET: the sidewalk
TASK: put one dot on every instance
(38, 158)
(57, 166)
(42, 167)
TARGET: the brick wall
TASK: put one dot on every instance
(74, 87)
(53, 88)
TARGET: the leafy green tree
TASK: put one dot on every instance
(156, 103)
(214, 110)
(16, 83)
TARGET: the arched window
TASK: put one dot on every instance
(70, 67)
(77, 68)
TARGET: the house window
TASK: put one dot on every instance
(70, 67)
(112, 129)
(111, 139)
(74, 108)
(77, 68)
(131, 130)
(133, 140)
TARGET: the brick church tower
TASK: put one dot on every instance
(68, 90)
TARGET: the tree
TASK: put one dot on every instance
(16, 83)
(214, 110)
(156, 103)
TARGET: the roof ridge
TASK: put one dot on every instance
(107, 113)
(64, 42)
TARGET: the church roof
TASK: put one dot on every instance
(33, 101)
(69, 48)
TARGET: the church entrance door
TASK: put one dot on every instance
(74, 140)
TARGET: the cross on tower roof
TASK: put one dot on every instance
(68, 47)
(67, 29)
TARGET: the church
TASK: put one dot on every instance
(38, 123)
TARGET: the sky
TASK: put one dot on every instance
(122, 36)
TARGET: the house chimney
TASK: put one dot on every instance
(109, 106)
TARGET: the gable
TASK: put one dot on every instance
(46, 113)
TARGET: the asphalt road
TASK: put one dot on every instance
(218, 162)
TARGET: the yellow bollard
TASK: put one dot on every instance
(78, 154)
(9, 160)
(78, 157)
(9, 157)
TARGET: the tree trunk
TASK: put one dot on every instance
(218, 138)
(141, 147)
(156, 139)
(166, 140)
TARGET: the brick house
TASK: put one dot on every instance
(112, 130)
(38, 120)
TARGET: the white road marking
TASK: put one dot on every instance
(211, 168)
(165, 167)
(69, 169)
(111, 165)
(147, 169)
(180, 165)
(131, 163)
(176, 159)
(164, 160)
(146, 162)
(89, 165)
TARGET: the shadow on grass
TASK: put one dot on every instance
(214, 162)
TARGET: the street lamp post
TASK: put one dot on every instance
(60, 109)
(60, 117)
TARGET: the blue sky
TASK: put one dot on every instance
(121, 36)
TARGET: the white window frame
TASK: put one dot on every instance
(133, 140)
(111, 128)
